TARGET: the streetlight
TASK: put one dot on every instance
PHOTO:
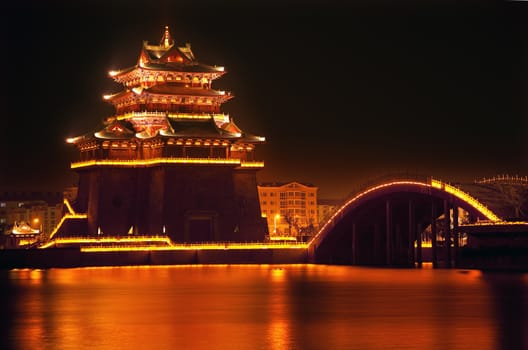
(36, 222)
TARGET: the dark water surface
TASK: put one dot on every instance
(262, 307)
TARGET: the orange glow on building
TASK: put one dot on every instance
(290, 209)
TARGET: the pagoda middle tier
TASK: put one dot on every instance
(167, 110)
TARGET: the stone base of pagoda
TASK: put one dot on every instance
(202, 203)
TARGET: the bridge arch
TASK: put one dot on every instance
(386, 223)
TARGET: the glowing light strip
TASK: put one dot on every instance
(466, 198)
(252, 164)
(64, 218)
(205, 246)
(434, 184)
(116, 239)
(170, 115)
(358, 196)
(67, 204)
(155, 161)
(424, 244)
(495, 223)
(170, 245)
(282, 238)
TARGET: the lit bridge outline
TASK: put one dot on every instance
(404, 248)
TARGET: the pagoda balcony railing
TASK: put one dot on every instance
(160, 161)
(189, 115)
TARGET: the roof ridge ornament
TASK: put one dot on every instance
(166, 39)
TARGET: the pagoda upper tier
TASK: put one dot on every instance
(167, 109)
(168, 77)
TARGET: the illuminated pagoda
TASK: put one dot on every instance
(169, 162)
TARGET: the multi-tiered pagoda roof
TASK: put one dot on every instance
(167, 109)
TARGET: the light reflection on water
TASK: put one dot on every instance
(262, 307)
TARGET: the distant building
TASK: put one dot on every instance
(325, 209)
(290, 209)
(28, 213)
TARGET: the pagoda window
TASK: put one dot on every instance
(178, 77)
(197, 152)
(175, 151)
(186, 109)
(151, 78)
(218, 152)
(160, 78)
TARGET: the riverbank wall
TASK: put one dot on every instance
(74, 257)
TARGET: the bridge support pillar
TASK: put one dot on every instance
(455, 235)
(354, 244)
(418, 236)
(388, 233)
(447, 233)
(433, 235)
(412, 234)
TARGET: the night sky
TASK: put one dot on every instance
(343, 91)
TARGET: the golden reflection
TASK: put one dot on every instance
(255, 307)
(279, 328)
(278, 274)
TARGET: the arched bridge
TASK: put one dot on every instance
(404, 222)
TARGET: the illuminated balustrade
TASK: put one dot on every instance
(434, 184)
(158, 161)
(64, 218)
(154, 161)
(252, 164)
(130, 115)
(116, 243)
(466, 198)
(201, 246)
(495, 223)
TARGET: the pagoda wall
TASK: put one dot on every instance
(187, 203)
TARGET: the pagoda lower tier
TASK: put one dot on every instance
(188, 203)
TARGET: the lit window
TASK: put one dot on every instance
(2, 220)
(2, 205)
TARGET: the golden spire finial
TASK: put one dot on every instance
(166, 39)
